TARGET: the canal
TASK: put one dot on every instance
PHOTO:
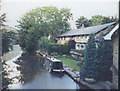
(27, 72)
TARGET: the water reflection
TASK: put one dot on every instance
(48, 81)
(29, 66)
(34, 76)
(57, 74)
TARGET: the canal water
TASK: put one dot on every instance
(27, 72)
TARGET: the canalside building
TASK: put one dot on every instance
(81, 36)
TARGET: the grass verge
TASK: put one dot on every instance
(70, 62)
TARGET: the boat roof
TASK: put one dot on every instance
(54, 59)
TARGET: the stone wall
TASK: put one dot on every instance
(115, 52)
(115, 39)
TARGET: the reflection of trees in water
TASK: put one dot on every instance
(57, 74)
(30, 65)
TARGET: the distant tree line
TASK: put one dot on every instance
(95, 20)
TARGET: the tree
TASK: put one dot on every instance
(43, 43)
(89, 69)
(65, 49)
(7, 36)
(104, 55)
(99, 20)
(5, 48)
(82, 20)
(95, 20)
(7, 40)
(4, 81)
(41, 22)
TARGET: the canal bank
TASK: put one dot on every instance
(76, 78)
(75, 75)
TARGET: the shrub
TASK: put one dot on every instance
(65, 48)
(58, 48)
(43, 43)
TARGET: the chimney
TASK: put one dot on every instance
(83, 26)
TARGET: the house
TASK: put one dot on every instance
(81, 36)
(114, 36)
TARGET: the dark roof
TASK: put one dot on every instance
(86, 31)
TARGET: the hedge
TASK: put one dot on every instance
(60, 49)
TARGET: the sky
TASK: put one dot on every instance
(15, 9)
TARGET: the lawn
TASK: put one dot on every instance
(70, 62)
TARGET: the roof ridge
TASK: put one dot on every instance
(87, 30)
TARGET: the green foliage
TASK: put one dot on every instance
(65, 48)
(43, 43)
(90, 69)
(105, 55)
(8, 38)
(5, 42)
(82, 20)
(95, 20)
(97, 61)
(59, 49)
(99, 20)
(41, 22)
(52, 47)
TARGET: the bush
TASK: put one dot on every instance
(58, 48)
(51, 48)
(43, 43)
(65, 49)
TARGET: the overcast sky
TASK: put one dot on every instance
(15, 9)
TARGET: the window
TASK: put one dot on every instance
(81, 36)
(82, 46)
(78, 45)
(77, 37)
